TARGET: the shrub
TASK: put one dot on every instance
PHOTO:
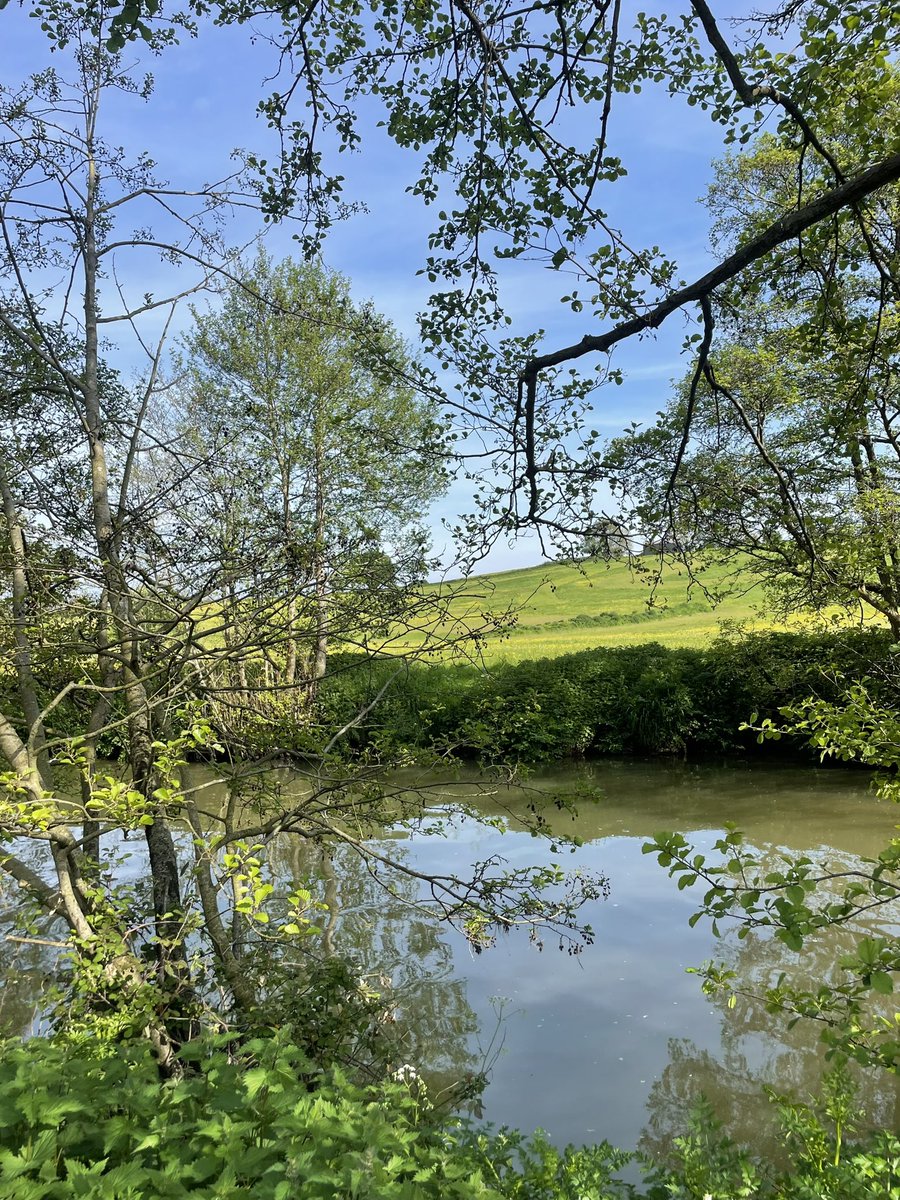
(644, 699)
(100, 1124)
(94, 1122)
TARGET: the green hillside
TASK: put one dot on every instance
(561, 607)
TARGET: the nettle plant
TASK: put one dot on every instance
(263, 1120)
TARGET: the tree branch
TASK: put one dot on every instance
(787, 227)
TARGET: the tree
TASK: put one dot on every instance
(117, 631)
(790, 465)
(512, 115)
(64, 195)
(338, 450)
(610, 540)
(792, 458)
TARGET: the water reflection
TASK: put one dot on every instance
(618, 1042)
(29, 957)
(758, 1048)
(26, 969)
(397, 949)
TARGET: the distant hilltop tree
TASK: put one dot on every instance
(660, 546)
(609, 540)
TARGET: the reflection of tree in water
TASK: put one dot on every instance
(759, 1047)
(398, 949)
(729, 1083)
(29, 957)
(733, 1081)
(26, 970)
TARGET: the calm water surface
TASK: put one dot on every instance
(619, 1041)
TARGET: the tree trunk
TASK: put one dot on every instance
(226, 955)
(172, 957)
(332, 900)
(98, 719)
(321, 566)
(31, 706)
(290, 665)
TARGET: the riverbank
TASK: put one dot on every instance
(633, 700)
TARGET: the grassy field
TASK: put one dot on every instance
(560, 608)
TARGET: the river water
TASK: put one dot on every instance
(619, 1041)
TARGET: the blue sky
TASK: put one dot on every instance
(204, 105)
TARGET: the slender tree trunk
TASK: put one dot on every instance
(98, 718)
(67, 900)
(332, 900)
(867, 476)
(90, 830)
(287, 532)
(160, 844)
(238, 920)
(233, 642)
(31, 706)
(232, 970)
(290, 665)
(321, 565)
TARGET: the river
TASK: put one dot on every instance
(616, 1042)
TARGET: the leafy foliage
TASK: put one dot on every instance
(644, 699)
(824, 1164)
(186, 587)
(315, 451)
(262, 1123)
(96, 1123)
(514, 122)
(791, 457)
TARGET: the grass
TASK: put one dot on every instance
(558, 608)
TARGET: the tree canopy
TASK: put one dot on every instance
(323, 452)
(792, 453)
(512, 116)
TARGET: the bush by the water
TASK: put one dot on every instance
(635, 699)
(644, 699)
(95, 1122)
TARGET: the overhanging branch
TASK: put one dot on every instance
(844, 196)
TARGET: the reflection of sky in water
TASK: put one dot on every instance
(616, 1042)
(584, 1037)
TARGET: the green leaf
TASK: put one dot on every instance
(882, 982)
(790, 938)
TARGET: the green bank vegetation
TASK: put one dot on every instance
(638, 699)
(88, 1121)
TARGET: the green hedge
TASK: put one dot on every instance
(644, 699)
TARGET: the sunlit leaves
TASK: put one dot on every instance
(802, 896)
